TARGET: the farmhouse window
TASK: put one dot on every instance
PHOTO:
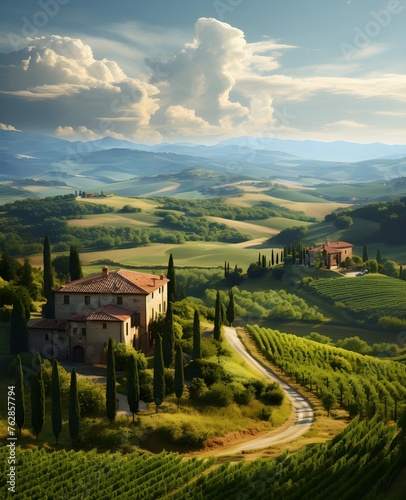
(84, 332)
(104, 326)
(66, 299)
(46, 336)
(74, 331)
(87, 299)
(120, 301)
(160, 308)
(126, 329)
(135, 319)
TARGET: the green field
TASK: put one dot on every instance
(191, 253)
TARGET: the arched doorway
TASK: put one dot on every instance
(78, 354)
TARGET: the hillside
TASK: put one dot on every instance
(108, 164)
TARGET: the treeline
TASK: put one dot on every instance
(24, 223)
(201, 229)
(217, 208)
(35, 210)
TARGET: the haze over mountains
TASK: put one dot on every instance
(107, 161)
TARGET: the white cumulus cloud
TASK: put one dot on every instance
(3, 126)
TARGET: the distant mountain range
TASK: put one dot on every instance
(89, 165)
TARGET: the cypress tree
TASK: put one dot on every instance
(56, 401)
(18, 327)
(225, 269)
(75, 268)
(401, 272)
(277, 258)
(264, 261)
(272, 258)
(179, 376)
(231, 308)
(168, 338)
(217, 318)
(379, 256)
(111, 391)
(259, 258)
(38, 399)
(365, 254)
(48, 310)
(20, 397)
(74, 408)
(197, 344)
(159, 373)
(133, 385)
(172, 280)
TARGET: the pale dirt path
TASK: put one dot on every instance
(304, 414)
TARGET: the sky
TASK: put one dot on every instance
(204, 70)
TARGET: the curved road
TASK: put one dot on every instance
(303, 410)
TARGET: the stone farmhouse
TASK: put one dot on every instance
(118, 304)
(331, 253)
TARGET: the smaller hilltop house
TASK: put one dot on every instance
(118, 304)
(331, 253)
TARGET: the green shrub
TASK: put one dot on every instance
(146, 385)
(121, 354)
(258, 386)
(392, 323)
(354, 344)
(272, 395)
(210, 372)
(184, 433)
(169, 381)
(242, 395)
(209, 348)
(92, 398)
(197, 388)
(265, 413)
(219, 395)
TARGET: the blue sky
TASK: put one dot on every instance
(205, 70)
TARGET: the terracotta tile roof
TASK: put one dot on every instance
(332, 247)
(49, 324)
(117, 282)
(110, 313)
(105, 313)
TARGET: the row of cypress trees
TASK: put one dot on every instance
(38, 400)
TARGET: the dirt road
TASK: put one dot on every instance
(303, 411)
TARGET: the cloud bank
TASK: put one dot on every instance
(216, 85)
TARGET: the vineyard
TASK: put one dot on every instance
(362, 459)
(372, 296)
(363, 385)
(360, 462)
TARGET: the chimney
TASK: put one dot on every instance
(105, 271)
(69, 278)
(161, 277)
